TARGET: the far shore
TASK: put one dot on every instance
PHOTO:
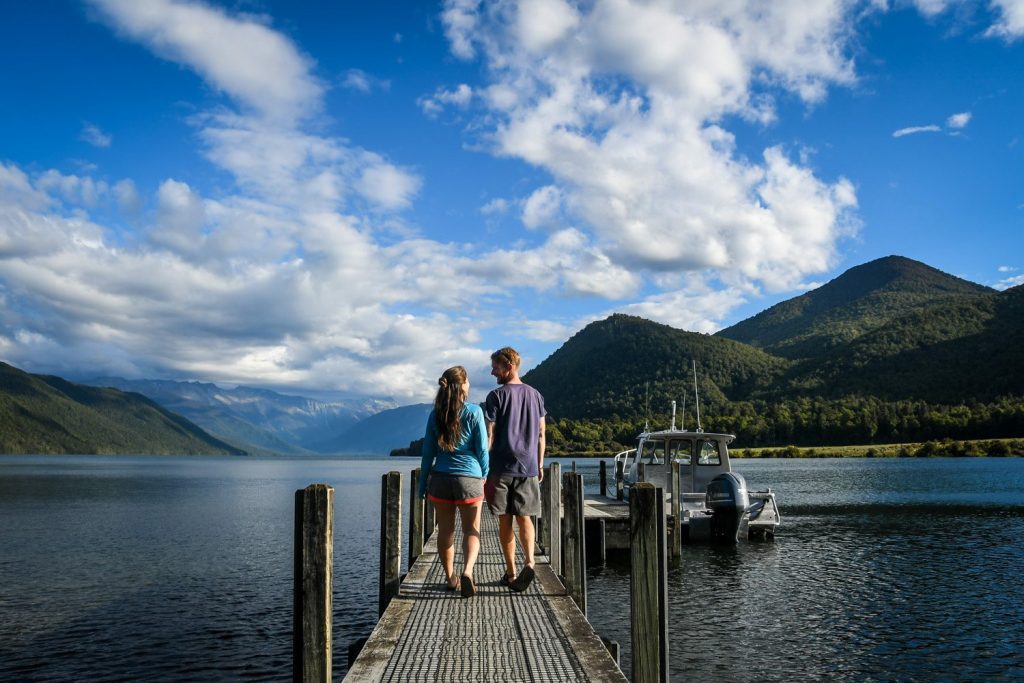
(922, 449)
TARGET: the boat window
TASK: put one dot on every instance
(680, 451)
(653, 453)
(709, 454)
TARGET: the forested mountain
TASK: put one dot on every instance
(615, 367)
(863, 299)
(44, 414)
(889, 351)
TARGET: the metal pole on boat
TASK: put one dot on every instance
(696, 396)
(677, 510)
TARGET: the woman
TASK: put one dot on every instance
(455, 458)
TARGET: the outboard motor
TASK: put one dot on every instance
(726, 497)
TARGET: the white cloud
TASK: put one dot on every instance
(913, 130)
(1008, 282)
(622, 108)
(388, 186)
(433, 105)
(1010, 25)
(94, 136)
(960, 120)
(357, 79)
(254, 64)
(496, 206)
(1007, 269)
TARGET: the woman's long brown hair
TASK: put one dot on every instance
(448, 407)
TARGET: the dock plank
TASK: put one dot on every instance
(428, 633)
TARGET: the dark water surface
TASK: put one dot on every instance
(164, 568)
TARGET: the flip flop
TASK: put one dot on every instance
(523, 581)
(505, 581)
(449, 587)
(467, 586)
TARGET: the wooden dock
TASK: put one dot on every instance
(428, 633)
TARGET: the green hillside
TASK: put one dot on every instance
(861, 300)
(612, 367)
(43, 414)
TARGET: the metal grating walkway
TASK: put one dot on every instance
(432, 634)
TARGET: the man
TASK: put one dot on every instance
(515, 430)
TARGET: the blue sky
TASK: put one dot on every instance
(350, 197)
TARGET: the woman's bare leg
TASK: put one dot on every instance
(445, 515)
(470, 536)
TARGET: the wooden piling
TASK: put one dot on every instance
(675, 482)
(641, 472)
(416, 505)
(619, 480)
(313, 573)
(554, 523)
(648, 584)
(603, 479)
(594, 531)
(573, 539)
(390, 538)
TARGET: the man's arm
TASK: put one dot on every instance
(490, 436)
(540, 451)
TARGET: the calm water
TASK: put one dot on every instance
(165, 568)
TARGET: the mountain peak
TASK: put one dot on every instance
(858, 301)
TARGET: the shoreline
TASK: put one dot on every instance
(969, 448)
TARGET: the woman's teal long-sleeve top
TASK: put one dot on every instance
(469, 459)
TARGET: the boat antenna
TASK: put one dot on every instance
(647, 406)
(673, 416)
(682, 418)
(696, 396)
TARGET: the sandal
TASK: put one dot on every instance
(506, 580)
(523, 581)
(449, 586)
(467, 586)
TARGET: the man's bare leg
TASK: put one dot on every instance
(507, 540)
(527, 537)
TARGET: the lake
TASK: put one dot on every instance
(179, 568)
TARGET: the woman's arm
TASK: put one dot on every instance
(481, 434)
(429, 452)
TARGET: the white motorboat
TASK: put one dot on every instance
(715, 503)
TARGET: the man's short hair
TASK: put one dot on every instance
(507, 355)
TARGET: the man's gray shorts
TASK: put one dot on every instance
(508, 495)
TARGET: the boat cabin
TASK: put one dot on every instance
(702, 456)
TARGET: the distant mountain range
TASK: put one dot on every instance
(44, 414)
(258, 420)
(888, 348)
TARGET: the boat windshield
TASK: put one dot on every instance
(709, 453)
(652, 452)
(680, 449)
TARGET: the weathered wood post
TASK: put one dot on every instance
(416, 535)
(544, 527)
(677, 513)
(641, 471)
(390, 538)
(620, 479)
(648, 584)
(314, 562)
(428, 520)
(603, 479)
(554, 524)
(574, 540)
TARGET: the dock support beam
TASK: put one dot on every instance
(620, 478)
(551, 516)
(648, 584)
(574, 541)
(390, 538)
(416, 505)
(314, 562)
(675, 482)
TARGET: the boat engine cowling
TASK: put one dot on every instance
(727, 499)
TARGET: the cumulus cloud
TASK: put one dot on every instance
(251, 62)
(92, 134)
(957, 121)
(1010, 25)
(434, 104)
(359, 80)
(621, 103)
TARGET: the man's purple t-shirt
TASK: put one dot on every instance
(517, 411)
